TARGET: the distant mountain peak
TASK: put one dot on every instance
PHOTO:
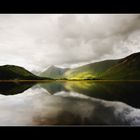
(52, 67)
(54, 72)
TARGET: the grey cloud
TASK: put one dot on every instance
(42, 40)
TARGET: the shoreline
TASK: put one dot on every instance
(43, 81)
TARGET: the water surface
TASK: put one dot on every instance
(70, 102)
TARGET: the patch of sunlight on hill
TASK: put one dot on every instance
(81, 75)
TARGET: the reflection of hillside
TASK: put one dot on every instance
(53, 87)
(14, 88)
(127, 92)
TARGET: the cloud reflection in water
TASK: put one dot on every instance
(36, 107)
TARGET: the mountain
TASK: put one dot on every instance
(54, 72)
(127, 68)
(35, 72)
(90, 71)
(12, 72)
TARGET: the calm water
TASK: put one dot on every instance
(70, 102)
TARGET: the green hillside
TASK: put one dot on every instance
(12, 72)
(90, 71)
(126, 69)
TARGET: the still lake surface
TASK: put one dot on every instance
(70, 103)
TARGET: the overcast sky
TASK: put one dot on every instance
(36, 41)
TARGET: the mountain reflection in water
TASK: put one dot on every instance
(12, 88)
(71, 102)
(127, 92)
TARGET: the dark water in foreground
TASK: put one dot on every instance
(70, 102)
